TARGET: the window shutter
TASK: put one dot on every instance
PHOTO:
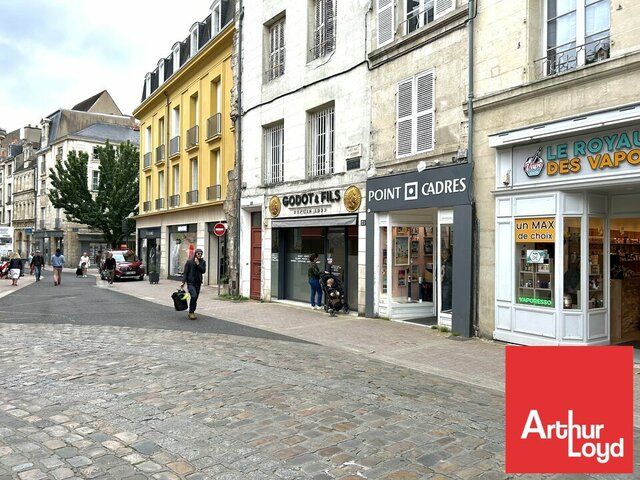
(425, 112)
(404, 122)
(319, 29)
(385, 22)
(281, 49)
(330, 25)
(442, 7)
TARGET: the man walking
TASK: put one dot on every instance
(192, 276)
(37, 262)
(110, 268)
(57, 262)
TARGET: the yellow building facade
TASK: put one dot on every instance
(187, 149)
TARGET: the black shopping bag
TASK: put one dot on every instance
(179, 300)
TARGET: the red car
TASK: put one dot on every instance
(128, 265)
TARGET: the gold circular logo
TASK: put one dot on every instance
(274, 206)
(352, 198)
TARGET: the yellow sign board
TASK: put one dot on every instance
(536, 230)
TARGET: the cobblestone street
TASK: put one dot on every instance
(85, 396)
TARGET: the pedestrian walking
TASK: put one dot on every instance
(84, 264)
(37, 263)
(57, 262)
(15, 269)
(314, 281)
(99, 260)
(29, 263)
(109, 267)
(192, 276)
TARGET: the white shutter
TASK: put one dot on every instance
(386, 22)
(442, 7)
(425, 111)
(404, 121)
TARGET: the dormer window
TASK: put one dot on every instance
(216, 18)
(176, 57)
(161, 71)
(194, 39)
(147, 85)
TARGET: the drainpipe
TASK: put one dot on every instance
(239, 149)
(476, 259)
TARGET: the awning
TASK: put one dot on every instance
(332, 221)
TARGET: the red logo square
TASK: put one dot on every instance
(569, 410)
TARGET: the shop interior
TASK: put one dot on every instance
(624, 268)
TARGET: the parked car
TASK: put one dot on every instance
(128, 265)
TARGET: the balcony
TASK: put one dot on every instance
(192, 137)
(147, 160)
(174, 200)
(58, 224)
(192, 197)
(174, 146)
(214, 192)
(146, 206)
(159, 203)
(568, 57)
(159, 154)
(214, 126)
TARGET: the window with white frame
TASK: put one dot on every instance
(194, 173)
(415, 121)
(95, 180)
(276, 50)
(216, 17)
(321, 135)
(161, 71)
(147, 84)
(415, 14)
(274, 153)
(194, 39)
(161, 184)
(94, 153)
(577, 33)
(147, 185)
(176, 57)
(176, 179)
(147, 140)
(324, 28)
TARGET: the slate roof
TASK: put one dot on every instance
(113, 133)
(85, 105)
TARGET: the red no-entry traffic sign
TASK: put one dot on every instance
(219, 229)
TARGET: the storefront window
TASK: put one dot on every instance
(535, 256)
(446, 266)
(411, 263)
(383, 261)
(571, 264)
(352, 249)
(275, 253)
(182, 245)
(302, 242)
(596, 262)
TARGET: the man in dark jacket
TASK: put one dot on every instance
(192, 276)
(37, 262)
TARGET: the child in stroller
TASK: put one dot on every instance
(334, 299)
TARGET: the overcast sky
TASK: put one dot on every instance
(55, 53)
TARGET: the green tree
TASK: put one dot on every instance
(108, 209)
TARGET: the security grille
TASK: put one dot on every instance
(274, 153)
(321, 129)
(276, 50)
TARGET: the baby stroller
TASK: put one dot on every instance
(334, 299)
(4, 269)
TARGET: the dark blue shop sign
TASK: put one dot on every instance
(433, 187)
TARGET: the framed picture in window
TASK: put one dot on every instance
(402, 277)
(428, 246)
(414, 231)
(401, 256)
(402, 230)
(384, 257)
(415, 272)
(415, 245)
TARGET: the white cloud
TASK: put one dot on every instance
(55, 53)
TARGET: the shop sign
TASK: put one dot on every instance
(539, 230)
(609, 153)
(149, 233)
(183, 228)
(333, 201)
(434, 187)
(542, 302)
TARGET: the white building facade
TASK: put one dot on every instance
(305, 146)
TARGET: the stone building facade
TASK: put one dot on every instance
(560, 75)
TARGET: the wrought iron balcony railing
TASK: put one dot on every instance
(192, 196)
(174, 146)
(159, 154)
(214, 124)
(147, 160)
(146, 206)
(192, 137)
(174, 200)
(159, 203)
(214, 192)
(569, 57)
